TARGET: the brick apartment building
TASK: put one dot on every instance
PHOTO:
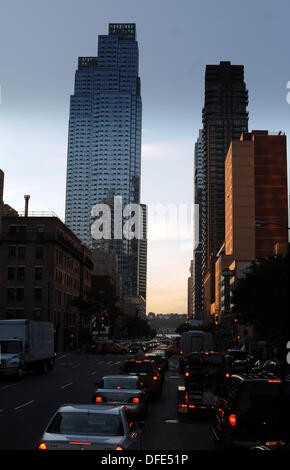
(44, 269)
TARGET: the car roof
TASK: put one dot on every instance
(138, 360)
(76, 408)
(254, 377)
(121, 377)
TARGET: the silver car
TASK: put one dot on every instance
(90, 427)
(122, 390)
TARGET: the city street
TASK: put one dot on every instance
(27, 406)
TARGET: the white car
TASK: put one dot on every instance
(90, 427)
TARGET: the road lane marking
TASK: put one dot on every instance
(8, 386)
(66, 385)
(24, 404)
(61, 357)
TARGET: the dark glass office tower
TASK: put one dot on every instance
(104, 144)
(224, 118)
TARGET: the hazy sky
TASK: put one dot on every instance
(40, 43)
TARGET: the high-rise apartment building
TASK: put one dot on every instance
(104, 145)
(224, 118)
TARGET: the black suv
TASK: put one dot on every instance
(254, 410)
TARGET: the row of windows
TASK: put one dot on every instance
(22, 229)
(18, 273)
(19, 252)
(17, 293)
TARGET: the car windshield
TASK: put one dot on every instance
(265, 395)
(86, 423)
(129, 383)
(9, 347)
(138, 367)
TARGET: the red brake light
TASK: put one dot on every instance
(274, 381)
(181, 352)
(81, 443)
(99, 399)
(186, 374)
(233, 420)
(136, 400)
(42, 446)
(155, 377)
(119, 448)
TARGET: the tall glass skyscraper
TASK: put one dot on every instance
(104, 144)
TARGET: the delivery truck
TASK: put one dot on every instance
(26, 345)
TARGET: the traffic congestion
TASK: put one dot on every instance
(232, 399)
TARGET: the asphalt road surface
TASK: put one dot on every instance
(27, 406)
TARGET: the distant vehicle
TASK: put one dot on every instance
(238, 360)
(162, 354)
(26, 345)
(167, 348)
(148, 373)
(254, 411)
(135, 347)
(122, 390)
(277, 367)
(90, 427)
(194, 341)
(160, 361)
(109, 347)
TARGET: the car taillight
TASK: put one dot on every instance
(233, 419)
(119, 448)
(80, 443)
(227, 375)
(181, 351)
(42, 446)
(136, 400)
(275, 381)
(155, 377)
(99, 399)
(186, 374)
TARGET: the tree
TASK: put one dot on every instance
(261, 299)
(99, 304)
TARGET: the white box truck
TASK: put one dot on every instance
(26, 345)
